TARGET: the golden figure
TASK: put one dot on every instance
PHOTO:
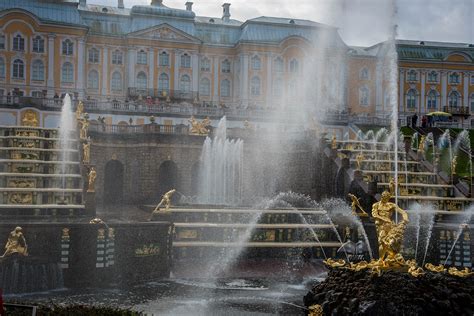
(199, 128)
(334, 263)
(431, 267)
(460, 273)
(16, 243)
(165, 201)
(84, 126)
(359, 159)
(454, 164)
(333, 142)
(30, 118)
(392, 187)
(315, 310)
(79, 111)
(86, 147)
(92, 176)
(356, 205)
(389, 233)
(421, 145)
(413, 269)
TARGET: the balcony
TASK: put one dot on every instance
(457, 110)
(172, 95)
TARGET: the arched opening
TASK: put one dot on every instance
(167, 177)
(113, 182)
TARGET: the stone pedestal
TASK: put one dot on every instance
(161, 217)
(90, 204)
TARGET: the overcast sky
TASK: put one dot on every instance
(361, 22)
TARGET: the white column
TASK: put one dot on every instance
(215, 97)
(401, 97)
(244, 79)
(378, 86)
(269, 80)
(422, 97)
(105, 66)
(465, 93)
(81, 67)
(177, 55)
(235, 82)
(131, 67)
(444, 89)
(195, 65)
(151, 71)
(51, 60)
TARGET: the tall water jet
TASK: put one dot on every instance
(67, 132)
(429, 232)
(220, 169)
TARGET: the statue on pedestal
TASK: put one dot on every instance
(165, 201)
(86, 152)
(79, 110)
(356, 206)
(16, 243)
(92, 176)
(199, 128)
(84, 122)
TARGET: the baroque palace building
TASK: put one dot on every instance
(124, 61)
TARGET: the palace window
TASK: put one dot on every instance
(37, 94)
(225, 66)
(432, 100)
(225, 88)
(141, 81)
(93, 55)
(2, 41)
(364, 74)
(472, 80)
(163, 82)
(294, 66)
(93, 80)
(37, 71)
(256, 63)
(205, 87)
(116, 84)
(185, 83)
(278, 88)
(68, 47)
(67, 73)
(292, 90)
(472, 103)
(142, 57)
(38, 44)
(185, 61)
(18, 43)
(411, 99)
(454, 78)
(279, 67)
(364, 96)
(255, 86)
(433, 76)
(2, 68)
(164, 59)
(117, 57)
(18, 69)
(205, 64)
(412, 75)
(453, 99)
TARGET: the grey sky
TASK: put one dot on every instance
(361, 22)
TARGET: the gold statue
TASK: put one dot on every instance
(391, 187)
(16, 243)
(30, 118)
(199, 128)
(86, 148)
(79, 111)
(454, 164)
(413, 269)
(165, 201)
(333, 142)
(359, 159)
(389, 233)
(356, 205)
(92, 176)
(421, 145)
(84, 126)
(460, 273)
(431, 267)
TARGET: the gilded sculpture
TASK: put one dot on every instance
(392, 187)
(16, 243)
(454, 164)
(333, 142)
(91, 177)
(355, 205)
(199, 128)
(86, 147)
(165, 201)
(439, 268)
(79, 111)
(460, 273)
(421, 145)
(359, 159)
(84, 122)
(30, 118)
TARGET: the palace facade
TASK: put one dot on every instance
(123, 60)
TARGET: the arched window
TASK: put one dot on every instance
(185, 61)
(412, 75)
(116, 81)
(68, 47)
(453, 99)
(163, 82)
(38, 44)
(205, 64)
(93, 55)
(164, 59)
(141, 81)
(185, 83)
(37, 71)
(142, 57)
(278, 88)
(225, 88)
(432, 98)
(117, 57)
(225, 66)
(411, 99)
(93, 80)
(2, 68)
(205, 87)
(2, 41)
(364, 74)
(18, 69)
(255, 86)
(364, 95)
(279, 65)
(67, 73)
(454, 78)
(294, 66)
(18, 43)
(256, 63)
(433, 76)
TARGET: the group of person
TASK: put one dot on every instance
(426, 121)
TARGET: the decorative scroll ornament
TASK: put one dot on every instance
(199, 128)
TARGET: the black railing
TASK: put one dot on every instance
(136, 94)
(456, 110)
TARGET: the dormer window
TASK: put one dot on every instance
(38, 44)
(18, 43)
